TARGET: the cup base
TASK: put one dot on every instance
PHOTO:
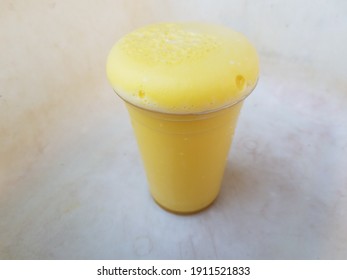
(184, 213)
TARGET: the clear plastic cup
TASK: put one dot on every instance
(184, 155)
(184, 85)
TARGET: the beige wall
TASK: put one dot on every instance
(52, 57)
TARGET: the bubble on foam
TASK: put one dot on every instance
(141, 94)
(168, 44)
(240, 82)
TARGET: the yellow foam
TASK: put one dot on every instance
(183, 67)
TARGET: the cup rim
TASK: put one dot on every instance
(226, 106)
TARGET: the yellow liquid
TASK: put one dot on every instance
(184, 155)
(184, 85)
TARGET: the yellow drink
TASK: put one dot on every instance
(184, 85)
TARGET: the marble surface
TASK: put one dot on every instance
(72, 184)
(284, 193)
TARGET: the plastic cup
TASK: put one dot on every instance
(184, 155)
(184, 85)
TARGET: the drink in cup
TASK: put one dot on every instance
(184, 85)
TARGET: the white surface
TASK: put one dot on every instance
(71, 180)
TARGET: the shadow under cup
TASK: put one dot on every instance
(184, 155)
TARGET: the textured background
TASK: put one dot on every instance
(71, 181)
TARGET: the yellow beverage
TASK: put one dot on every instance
(184, 85)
